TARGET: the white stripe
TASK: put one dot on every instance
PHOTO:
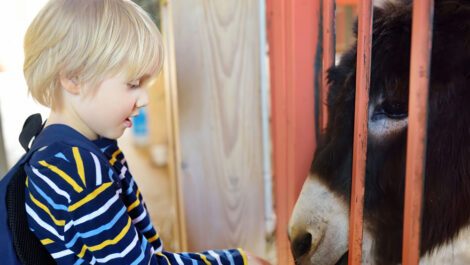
(61, 254)
(159, 249)
(123, 172)
(122, 254)
(178, 259)
(92, 215)
(51, 184)
(99, 178)
(140, 218)
(41, 223)
(215, 255)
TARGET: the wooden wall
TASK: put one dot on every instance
(218, 80)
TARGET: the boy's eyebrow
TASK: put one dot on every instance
(145, 78)
(142, 79)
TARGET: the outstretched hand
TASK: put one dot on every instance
(254, 260)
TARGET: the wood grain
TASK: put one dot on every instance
(218, 76)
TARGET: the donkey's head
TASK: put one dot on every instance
(319, 225)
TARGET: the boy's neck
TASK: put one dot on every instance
(71, 120)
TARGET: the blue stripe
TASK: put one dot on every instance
(147, 228)
(186, 255)
(104, 148)
(47, 198)
(143, 246)
(62, 156)
(98, 230)
(78, 262)
(229, 257)
(131, 184)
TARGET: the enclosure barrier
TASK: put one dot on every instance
(421, 42)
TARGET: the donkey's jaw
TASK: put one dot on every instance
(324, 215)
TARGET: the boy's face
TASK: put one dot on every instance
(107, 111)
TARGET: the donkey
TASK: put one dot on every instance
(318, 228)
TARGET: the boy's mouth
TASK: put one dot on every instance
(128, 122)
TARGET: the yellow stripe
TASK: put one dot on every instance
(113, 157)
(27, 182)
(44, 207)
(133, 205)
(79, 163)
(161, 255)
(63, 175)
(113, 241)
(46, 241)
(154, 238)
(204, 259)
(82, 252)
(90, 196)
(243, 256)
(137, 193)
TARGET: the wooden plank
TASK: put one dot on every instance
(174, 145)
(364, 42)
(293, 28)
(218, 75)
(421, 42)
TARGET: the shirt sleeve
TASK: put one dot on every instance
(133, 197)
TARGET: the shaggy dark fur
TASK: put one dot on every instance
(447, 179)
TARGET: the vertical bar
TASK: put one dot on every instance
(421, 42)
(292, 35)
(269, 215)
(360, 131)
(328, 57)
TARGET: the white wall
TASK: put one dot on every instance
(15, 106)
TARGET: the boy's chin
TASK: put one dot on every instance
(113, 135)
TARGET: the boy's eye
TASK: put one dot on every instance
(133, 86)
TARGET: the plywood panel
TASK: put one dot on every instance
(217, 60)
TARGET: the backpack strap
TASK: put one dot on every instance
(24, 241)
(27, 247)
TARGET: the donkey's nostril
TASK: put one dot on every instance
(301, 244)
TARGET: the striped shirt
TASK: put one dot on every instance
(87, 210)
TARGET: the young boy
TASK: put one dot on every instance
(87, 60)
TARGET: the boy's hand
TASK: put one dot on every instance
(253, 260)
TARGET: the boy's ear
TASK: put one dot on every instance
(71, 85)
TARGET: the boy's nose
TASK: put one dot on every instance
(143, 99)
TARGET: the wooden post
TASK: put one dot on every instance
(293, 28)
(363, 62)
(421, 42)
(328, 57)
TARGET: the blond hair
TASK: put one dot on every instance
(88, 40)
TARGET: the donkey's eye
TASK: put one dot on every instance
(395, 110)
(392, 110)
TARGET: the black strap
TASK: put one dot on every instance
(31, 128)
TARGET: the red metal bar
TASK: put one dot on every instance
(292, 32)
(328, 57)
(364, 40)
(421, 42)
